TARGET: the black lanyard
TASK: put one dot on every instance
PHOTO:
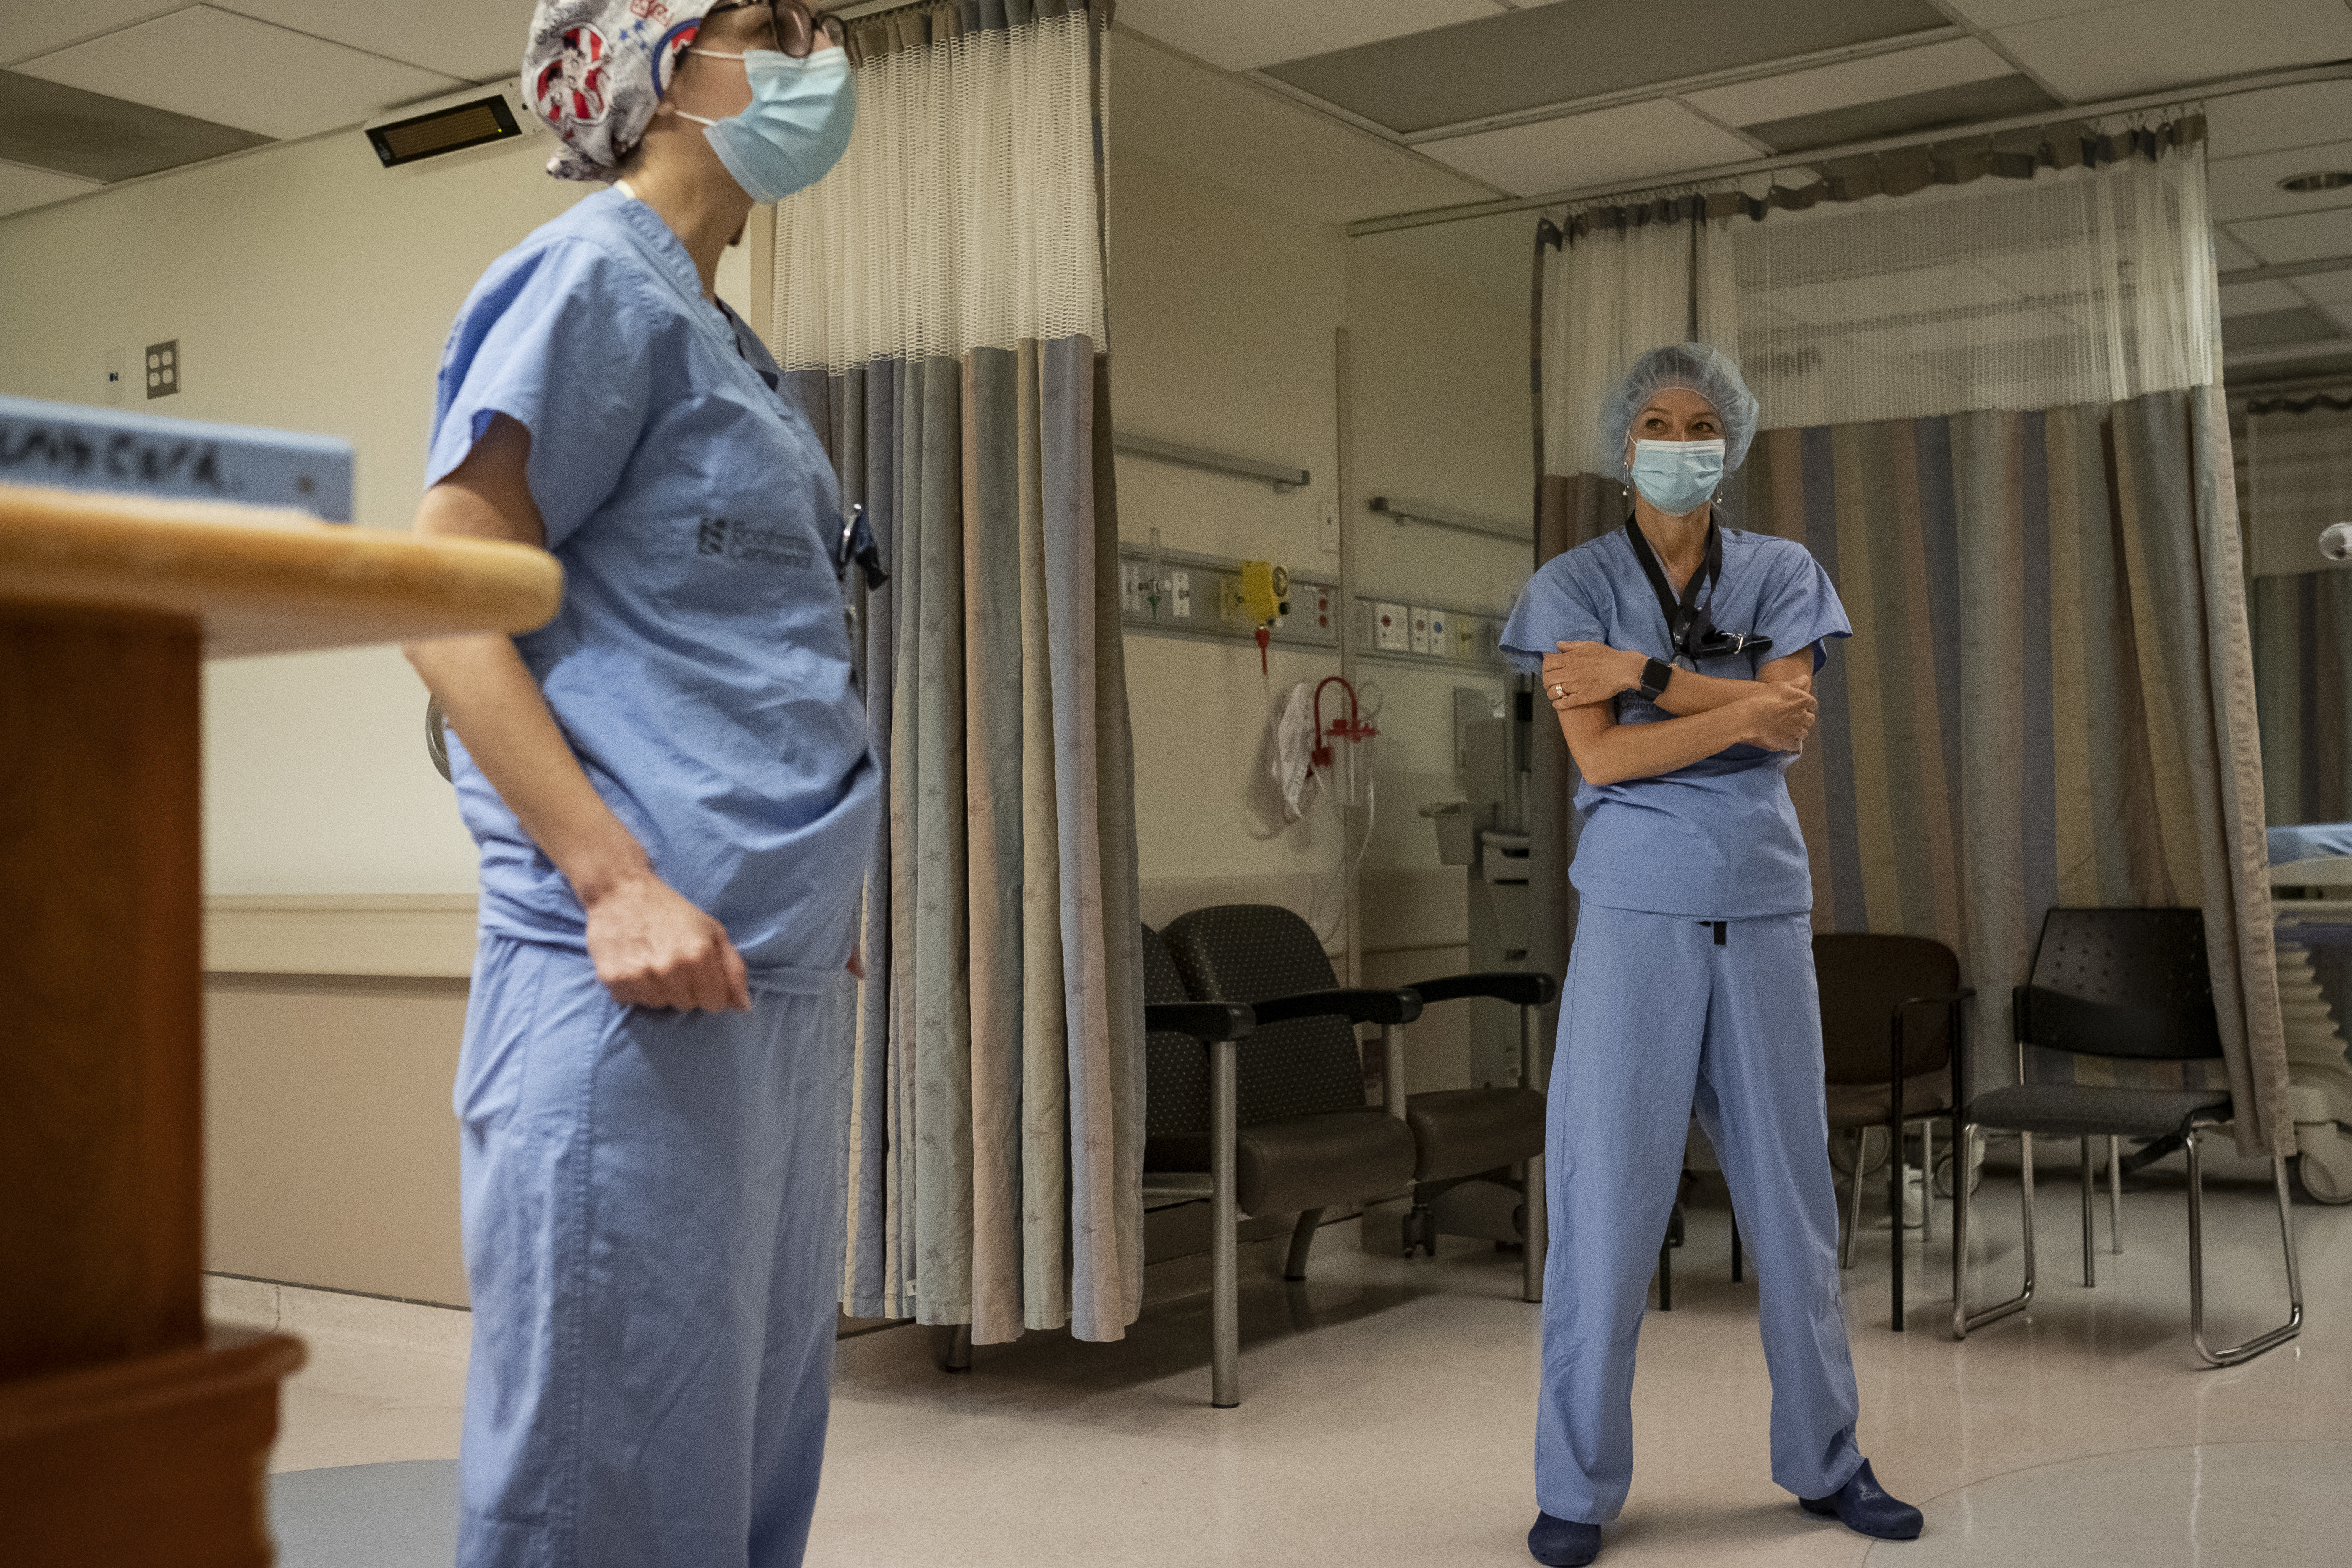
(1684, 617)
(1690, 626)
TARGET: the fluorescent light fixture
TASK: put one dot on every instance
(474, 118)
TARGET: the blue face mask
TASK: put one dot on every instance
(1677, 477)
(797, 126)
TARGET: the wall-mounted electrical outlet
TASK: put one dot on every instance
(164, 368)
(1328, 528)
(1391, 628)
(1181, 582)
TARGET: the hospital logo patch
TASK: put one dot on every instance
(742, 543)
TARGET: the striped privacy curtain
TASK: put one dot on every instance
(1992, 412)
(938, 305)
(2303, 680)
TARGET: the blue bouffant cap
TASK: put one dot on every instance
(1701, 367)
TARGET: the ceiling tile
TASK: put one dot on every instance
(2228, 256)
(2275, 329)
(2327, 287)
(476, 40)
(1850, 82)
(2283, 117)
(88, 135)
(29, 28)
(2306, 237)
(236, 71)
(21, 187)
(1938, 109)
(2008, 13)
(2341, 315)
(2248, 187)
(1630, 142)
(1251, 139)
(2254, 299)
(2152, 45)
(1244, 34)
(1559, 54)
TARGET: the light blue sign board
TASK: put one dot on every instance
(83, 449)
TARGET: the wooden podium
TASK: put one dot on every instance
(130, 1432)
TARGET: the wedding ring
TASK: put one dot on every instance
(1558, 691)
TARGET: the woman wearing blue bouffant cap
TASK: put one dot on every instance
(671, 791)
(1679, 655)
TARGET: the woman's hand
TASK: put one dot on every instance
(1779, 716)
(1583, 673)
(653, 949)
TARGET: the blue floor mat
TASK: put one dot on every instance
(400, 1515)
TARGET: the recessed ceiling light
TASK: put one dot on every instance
(2324, 180)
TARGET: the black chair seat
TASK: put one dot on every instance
(1303, 1162)
(1466, 1131)
(2075, 1110)
(1869, 1104)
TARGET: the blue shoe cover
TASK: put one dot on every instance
(1862, 1505)
(1563, 1542)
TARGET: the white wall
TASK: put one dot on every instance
(310, 289)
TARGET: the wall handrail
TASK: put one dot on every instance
(1281, 475)
(1405, 512)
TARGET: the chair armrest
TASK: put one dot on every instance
(1358, 1006)
(1207, 1022)
(1519, 988)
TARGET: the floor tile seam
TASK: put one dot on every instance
(2117, 1453)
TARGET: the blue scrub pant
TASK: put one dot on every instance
(1657, 1020)
(653, 1237)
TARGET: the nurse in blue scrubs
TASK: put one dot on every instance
(670, 787)
(1680, 656)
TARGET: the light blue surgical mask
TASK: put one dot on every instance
(797, 126)
(1678, 477)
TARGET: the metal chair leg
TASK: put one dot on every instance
(1854, 1196)
(2089, 1242)
(2115, 1194)
(1964, 1149)
(1302, 1237)
(1895, 1211)
(2237, 1356)
(1536, 1240)
(1926, 1183)
(1736, 1259)
(1224, 1263)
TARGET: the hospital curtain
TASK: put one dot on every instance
(2302, 686)
(1988, 379)
(938, 304)
(2294, 479)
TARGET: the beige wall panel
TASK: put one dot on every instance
(331, 1152)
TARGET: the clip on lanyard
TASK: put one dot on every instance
(1690, 627)
(857, 544)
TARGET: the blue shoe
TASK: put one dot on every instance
(1862, 1505)
(1563, 1542)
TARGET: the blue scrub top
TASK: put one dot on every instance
(700, 663)
(1717, 839)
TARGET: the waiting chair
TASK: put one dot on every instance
(1891, 1007)
(1255, 952)
(1462, 1134)
(2117, 1037)
(1268, 1119)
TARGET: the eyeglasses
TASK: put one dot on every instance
(795, 25)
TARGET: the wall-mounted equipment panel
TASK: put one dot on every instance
(1174, 593)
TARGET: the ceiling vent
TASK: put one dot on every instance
(476, 118)
(2324, 180)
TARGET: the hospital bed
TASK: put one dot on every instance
(2311, 879)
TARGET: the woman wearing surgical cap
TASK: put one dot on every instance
(1679, 655)
(670, 788)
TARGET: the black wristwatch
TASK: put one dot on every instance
(1654, 676)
